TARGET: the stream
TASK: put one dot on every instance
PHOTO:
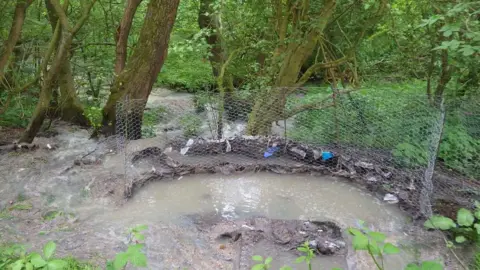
(81, 207)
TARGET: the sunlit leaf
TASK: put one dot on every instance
(300, 259)
(439, 222)
(390, 249)
(257, 258)
(49, 249)
(460, 239)
(57, 264)
(465, 217)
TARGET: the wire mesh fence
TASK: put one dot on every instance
(422, 155)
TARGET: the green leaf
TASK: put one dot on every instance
(121, 260)
(259, 266)
(138, 259)
(57, 264)
(373, 247)
(431, 265)
(257, 258)
(135, 248)
(141, 227)
(17, 265)
(268, 260)
(37, 260)
(360, 242)
(477, 226)
(300, 259)
(139, 236)
(337, 268)
(286, 268)
(390, 249)
(49, 249)
(412, 266)
(28, 266)
(354, 231)
(460, 239)
(439, 222)
(465, 217)
(379, 237)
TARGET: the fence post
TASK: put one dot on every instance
(433, 147)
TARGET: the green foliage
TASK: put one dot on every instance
(372, 242)
(426, 265)
(308, 255)
(134, 254)
(190, 124)
(465, 230)
(459, 151)
(94, 116)
(263, 264)
(409, 155)
(151, 117)
(15, 258)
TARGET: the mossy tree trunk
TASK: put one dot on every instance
(69, 107)
(270, 104)
(219, 59)
(62, 52)
(121, 35)
(137, 78)
(299, 32)
(14, 34)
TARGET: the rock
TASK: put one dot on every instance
(302, 154)
(390, 198)
(371, 179)
(184, 150)
(364, 165)
(330, 247)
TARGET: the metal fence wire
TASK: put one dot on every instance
(424, 156)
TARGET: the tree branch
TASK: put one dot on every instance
(315, 105)
(318, 66)
(61, 14)
(84, 17)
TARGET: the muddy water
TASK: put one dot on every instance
(271, 195)
(264, 194)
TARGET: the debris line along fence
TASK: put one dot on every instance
(421, 154)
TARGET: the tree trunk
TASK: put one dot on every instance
(15, 33)
(70, 108)
(46, 91)
(122, 33)
(137, 79)
(62, 53)
(270, 104)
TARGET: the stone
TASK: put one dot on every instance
(299, 152)
(390, 198)
(364, 165)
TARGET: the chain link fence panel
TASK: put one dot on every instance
(424, 156)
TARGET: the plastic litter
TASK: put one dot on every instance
(270, 151)
(327, 155)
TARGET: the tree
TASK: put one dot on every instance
(121, 35)
(137, 78)
(62, 55)
(14, 35)
(300, 26)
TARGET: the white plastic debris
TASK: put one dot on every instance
(390, 198)
(184, 150)
(229, 147)
(302, 153)
(49, 146)
(189, 143)
(316, 154)
(168, 150)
